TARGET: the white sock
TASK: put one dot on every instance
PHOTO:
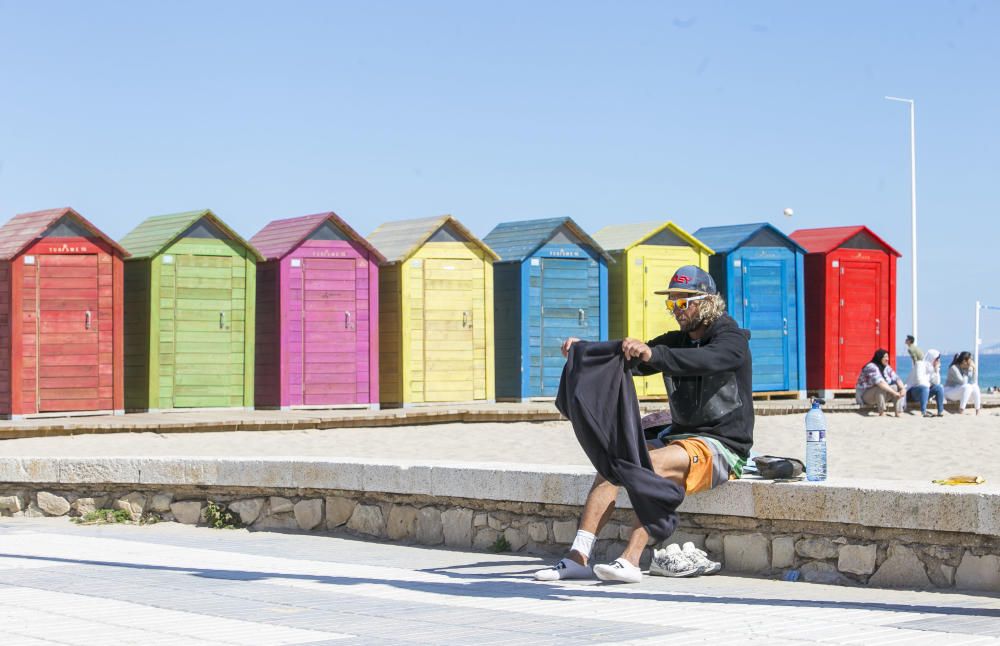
(583, 543)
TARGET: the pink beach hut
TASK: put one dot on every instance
(317, 315)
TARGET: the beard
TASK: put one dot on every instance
(688, 322)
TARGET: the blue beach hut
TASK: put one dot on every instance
(550, 283)
(759, 271)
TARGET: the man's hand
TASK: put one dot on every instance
(633, 348)
(567, 344)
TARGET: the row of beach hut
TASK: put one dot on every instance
(184, 313)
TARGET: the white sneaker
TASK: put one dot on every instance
(700, 558)
(565, 569)
(671, 561)
(618, 570)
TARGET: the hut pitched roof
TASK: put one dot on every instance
(155, 234)
(281, 237)
(621, 237)
(515, 241)
(726, 238)
(25, 228)
(827, 239)
(401, 239)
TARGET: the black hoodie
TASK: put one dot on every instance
(709, 382)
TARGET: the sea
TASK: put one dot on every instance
(989, 368)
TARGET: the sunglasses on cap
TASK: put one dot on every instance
(681, 304)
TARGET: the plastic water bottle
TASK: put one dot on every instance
(816, 442)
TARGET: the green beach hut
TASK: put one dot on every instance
(190, 297)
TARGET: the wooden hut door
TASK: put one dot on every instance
(205, 374)
(449, 343)
(329, 331)
(765, 314)
(570, 307)
(67, 340)
(860, 326)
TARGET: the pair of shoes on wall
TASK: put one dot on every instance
(677, 561)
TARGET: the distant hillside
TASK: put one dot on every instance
(990, 349)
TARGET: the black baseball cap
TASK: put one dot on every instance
(690, 279)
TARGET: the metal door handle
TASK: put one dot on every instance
(878, 327)
(222, 320)
(86, 320)
(347, 320)
(784, 326)
(465, 319)
(581, 317)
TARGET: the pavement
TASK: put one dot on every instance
(62, 583)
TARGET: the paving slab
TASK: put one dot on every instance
(169, 584)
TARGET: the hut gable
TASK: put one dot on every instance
(281, 237)
(621, 237)
(761, 234)
(827, 239)
(157, 233)
(515, 241)
(24, 229)
(397, 241)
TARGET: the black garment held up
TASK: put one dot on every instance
(597, 395)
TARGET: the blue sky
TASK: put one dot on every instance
(703, 113)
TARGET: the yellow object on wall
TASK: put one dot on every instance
(435, 328)
(646, 256)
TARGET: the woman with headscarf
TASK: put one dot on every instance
(878, 383)
(961, 383)
(924, 381)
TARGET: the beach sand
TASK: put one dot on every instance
(908, 448)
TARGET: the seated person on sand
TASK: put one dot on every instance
(925, 381)
(878, 383)
(961, 383)
(710, 436)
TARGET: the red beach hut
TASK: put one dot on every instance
(61, 297)
(850, 299)
(317, 315)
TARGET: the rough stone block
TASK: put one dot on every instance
(281, 505)
(134, 503)
(187, 512)
(33, 511)
(161, 502)
(29, 470)
(308, 513)
(52, 504)
(538, 532)
(680, 537)
(485, 538)
(782, 552)
(99, 470)
(857, 559)
(902, 569)
(495, 522)
(746, 552)
(480, 519)
(84, 506)
(367, 519)
(515, 538)
(978, 573)
(816, 548)
(277, 521)
(714, 544)
(248, 509)
(564, 531)
(610, 531)
(338, 510)
(457, 527)
(11, 504)
(402, 523)
(822, 572)
(430, 529)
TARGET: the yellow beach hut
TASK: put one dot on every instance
(436, 313)
(646, 256)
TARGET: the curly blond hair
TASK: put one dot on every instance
(711, 309)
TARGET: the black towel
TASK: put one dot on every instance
(597, 395)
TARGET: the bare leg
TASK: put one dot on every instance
(596, 511)
(671, 462)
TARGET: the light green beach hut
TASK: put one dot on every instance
(190, 297)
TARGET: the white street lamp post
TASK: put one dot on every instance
(913, 209)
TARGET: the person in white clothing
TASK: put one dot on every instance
(925, 381)
(961, 383)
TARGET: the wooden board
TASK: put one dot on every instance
(68, 317)
(449, 350)
(860, 324)
(329, 337)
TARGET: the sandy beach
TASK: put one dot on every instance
(908, 448)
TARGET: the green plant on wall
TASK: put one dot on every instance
(218, 517)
